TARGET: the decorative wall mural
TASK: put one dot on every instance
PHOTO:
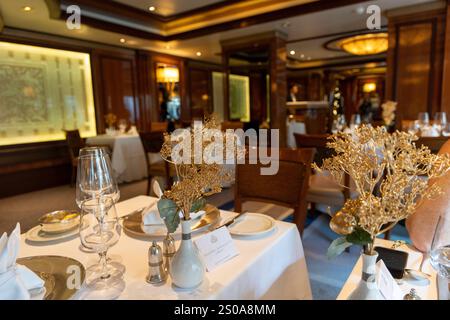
(22, 95)
(44, 92)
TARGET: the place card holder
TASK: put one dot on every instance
(394, 260)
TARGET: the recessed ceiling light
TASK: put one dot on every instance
(309, 58)
(27, 8)
(151, 8)
(168, 47)
(360, 10)
(122, 40)
(286, 24)
(292, 52)
(198, 53)
(302, 56)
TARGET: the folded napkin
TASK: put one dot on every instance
(133, 130)
(150, 216)
(15, 280)
(194, 215)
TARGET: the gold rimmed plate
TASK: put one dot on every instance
(63, 276)
(132, 224)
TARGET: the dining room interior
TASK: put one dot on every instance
(349, 97)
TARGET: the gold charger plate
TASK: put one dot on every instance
(54, 271)
(133, 224)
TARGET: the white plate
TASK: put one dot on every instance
(37, 235)
(252, 224)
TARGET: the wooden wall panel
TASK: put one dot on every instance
(115, 85)
(446, 68)
(415, 63)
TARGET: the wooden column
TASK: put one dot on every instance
(446, 71)
(278, 87)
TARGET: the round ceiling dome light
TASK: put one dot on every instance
(365, 44)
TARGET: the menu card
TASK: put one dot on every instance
(387, 284)
(216, 247)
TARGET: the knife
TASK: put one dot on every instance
(226, 224)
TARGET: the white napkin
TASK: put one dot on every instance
(133, 130)
(194, 215)
(150, 216)
(430, 131)
(15, 280)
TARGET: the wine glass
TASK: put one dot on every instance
(440, 249)
(94, 177)
(100, 230)
(355, 121)
(424, 119)
(440, 121)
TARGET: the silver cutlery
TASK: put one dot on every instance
(230, 222)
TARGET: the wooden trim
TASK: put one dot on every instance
(346, 33)
(140, 16)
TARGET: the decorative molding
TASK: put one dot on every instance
(138, 23)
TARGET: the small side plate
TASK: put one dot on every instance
(36, 234)
(252, 224)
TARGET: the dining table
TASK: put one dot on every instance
(426, 290)
(128, 157)
(271, 266)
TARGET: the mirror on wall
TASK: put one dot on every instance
(168, 81)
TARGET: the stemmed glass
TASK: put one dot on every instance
(423, 119)
(95, 176)
(440, 252)
(100, 230)
(355, 121)
(440, 121)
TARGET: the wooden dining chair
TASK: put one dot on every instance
(159, 126)
(152, 143)
(74, 144)
(288, 187)
(433, 143)
(323, 190)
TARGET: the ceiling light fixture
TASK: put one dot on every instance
(122, 40)
(292, 52)
(366, 44)
(27, 8)
(198, 53)
(151, 8)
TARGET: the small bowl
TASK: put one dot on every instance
(59, 221)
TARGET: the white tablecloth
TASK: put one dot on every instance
(272, 267)
(128, 157)
(414, 259)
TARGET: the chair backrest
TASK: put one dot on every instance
(316, 141)
(433, 143)
(288, 187)
(152, 141)
(319, 143)
(74, 143)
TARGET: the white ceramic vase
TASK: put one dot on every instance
(367, 288)
(186, 268)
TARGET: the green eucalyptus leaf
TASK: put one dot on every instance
(359, 236)
(337, 247)
(168, 210)
(198, 205)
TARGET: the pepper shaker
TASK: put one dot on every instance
(168, 251)
(156, 274)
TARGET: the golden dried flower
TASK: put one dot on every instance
(390, 172)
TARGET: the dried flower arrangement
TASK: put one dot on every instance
(389, 173)
(196, 179)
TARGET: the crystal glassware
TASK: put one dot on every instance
(440, 121)
(440, 251)
(95, 177)
(355, 121)
(100, 230)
